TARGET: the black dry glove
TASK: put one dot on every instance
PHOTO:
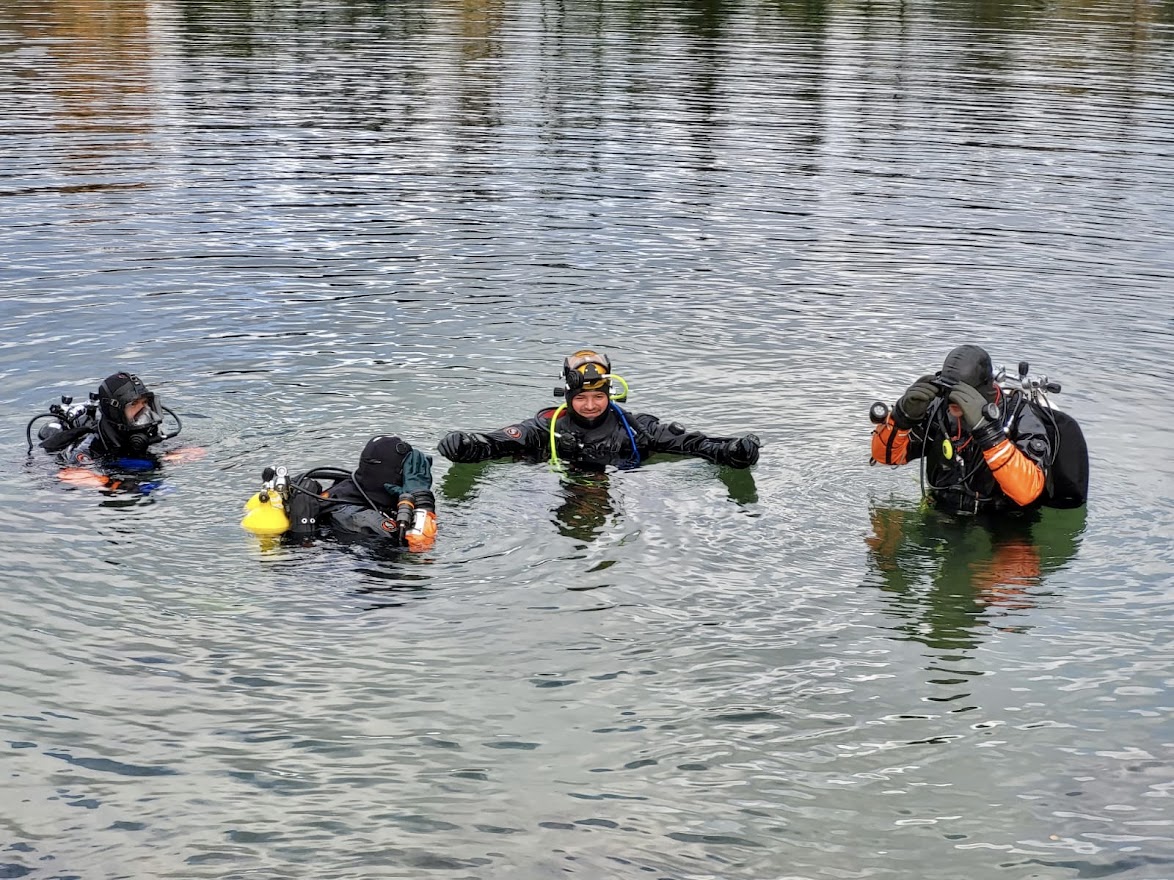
(742, 452)
(914, 403)
(462, 447)
(979, 417)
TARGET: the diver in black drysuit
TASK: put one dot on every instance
(593, 431)
(389, 496)
(129, 421)
(366, 501)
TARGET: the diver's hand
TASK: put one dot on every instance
(979, 417)
(742, 452)
(914, 403)
(463, 447)
(972, 404)
(187, 453)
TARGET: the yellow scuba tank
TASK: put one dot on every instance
(265, 514)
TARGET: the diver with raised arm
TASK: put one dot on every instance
(985, 447)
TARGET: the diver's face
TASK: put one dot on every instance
(134, 409)
(590, 404)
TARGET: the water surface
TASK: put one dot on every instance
(306, 224)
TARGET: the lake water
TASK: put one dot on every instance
(308, 223)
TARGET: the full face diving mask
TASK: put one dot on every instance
(115, 397)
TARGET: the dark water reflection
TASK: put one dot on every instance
(309, 224)
(948, 576)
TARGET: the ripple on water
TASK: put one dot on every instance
(310, 229)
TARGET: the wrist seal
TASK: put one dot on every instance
(901, 420)
(989, 432)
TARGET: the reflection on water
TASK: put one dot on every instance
(947, 577)
(585, 508)
(315, 223)
(585, 505)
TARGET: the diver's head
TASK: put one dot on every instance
(381, 464)
(971, 365)
(590, 405)
(587, 386)
(131, 414)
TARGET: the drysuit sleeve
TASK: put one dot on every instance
(523, 438)
(895, 445)
(890, 444)
(675, 439)
(1020, 467)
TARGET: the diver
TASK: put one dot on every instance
(122, 420)
(985, 447)
(590, 430)
(388, 496)
(117, 428)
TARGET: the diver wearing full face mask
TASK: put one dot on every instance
(131, 418)
(119, 423)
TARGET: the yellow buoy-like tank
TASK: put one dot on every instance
(265, 515)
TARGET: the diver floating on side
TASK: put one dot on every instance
(388, 496)
(116, 429)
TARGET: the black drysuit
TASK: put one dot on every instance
(618, 437)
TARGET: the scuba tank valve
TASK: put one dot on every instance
(1034, 388)
(77, 419)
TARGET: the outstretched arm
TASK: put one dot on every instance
(673, 438)
(523, 438)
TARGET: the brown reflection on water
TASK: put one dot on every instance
(96, 76)
(99, 53)
(479, 24)
(947, 578)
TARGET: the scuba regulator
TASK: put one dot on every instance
(587, 370)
